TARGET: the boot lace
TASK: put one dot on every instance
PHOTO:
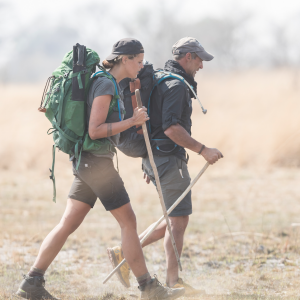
(163, 291)
(158, 282)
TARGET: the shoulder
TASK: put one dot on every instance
(174, 81)
(102, 86)
(173, 86)
(103, 82)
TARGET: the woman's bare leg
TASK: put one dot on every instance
(130, 241)
(73, 216)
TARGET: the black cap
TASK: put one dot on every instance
(125, 46)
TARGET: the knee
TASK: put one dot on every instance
(129, 223)
(179, 223)
(185, 221)
(69, 224)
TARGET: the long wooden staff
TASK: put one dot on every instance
(157, 181)
(161, 219)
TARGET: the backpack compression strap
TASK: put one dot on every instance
(133, 85)
(52, 177)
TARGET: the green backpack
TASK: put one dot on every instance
(65, 105)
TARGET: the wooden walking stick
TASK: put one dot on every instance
(157, 181)
(161, 218)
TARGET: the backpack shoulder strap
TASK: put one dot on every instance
(172, 75)
(163, 75)
(159, 76)
(115, 100)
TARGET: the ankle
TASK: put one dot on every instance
(171, 283)
(35, 272)
(144, 279)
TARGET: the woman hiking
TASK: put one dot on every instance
(96, 177)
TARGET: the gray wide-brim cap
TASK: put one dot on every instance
(189, 44)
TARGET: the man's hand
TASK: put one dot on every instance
(211, 155)
(147, 178)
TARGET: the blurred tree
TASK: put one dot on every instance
(158, 29)
(285, 47)
(5, 40)
(38, 52)
(223, 37)
(40, 46)
(280, 46)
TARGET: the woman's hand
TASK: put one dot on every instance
(140, 116)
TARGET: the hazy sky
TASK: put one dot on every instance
(264, 13)
(264, 10)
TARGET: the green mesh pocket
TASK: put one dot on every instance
(74, 116)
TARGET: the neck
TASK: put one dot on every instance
(183, 65)
(118, 73)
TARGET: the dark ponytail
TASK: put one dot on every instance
(111, 63)
(108, 64)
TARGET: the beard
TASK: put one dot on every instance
(192, 73)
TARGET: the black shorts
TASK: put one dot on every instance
(97, 177)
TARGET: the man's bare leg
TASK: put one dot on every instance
(178, 226)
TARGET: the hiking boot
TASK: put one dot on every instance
(115, 256)
(33, 288)
(189, 290)
(154, 290)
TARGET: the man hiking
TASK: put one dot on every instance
(170, 110)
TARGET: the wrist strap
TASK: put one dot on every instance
(203, 146)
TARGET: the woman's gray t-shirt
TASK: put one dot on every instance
(104, 86)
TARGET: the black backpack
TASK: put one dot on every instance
(132, 141)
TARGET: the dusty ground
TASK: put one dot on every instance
(239, 244)
(216, 258)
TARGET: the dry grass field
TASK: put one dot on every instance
(239, 244)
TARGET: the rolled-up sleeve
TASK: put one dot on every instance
(173, 100)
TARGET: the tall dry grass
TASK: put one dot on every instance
(253, 118)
